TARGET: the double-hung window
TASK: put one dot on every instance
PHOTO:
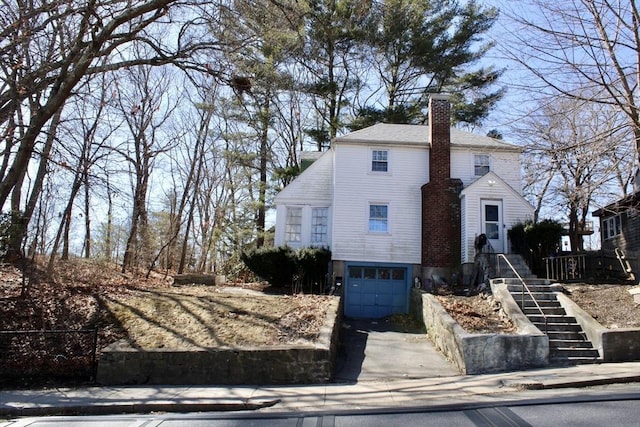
(612, 227)
(481, 164)
(293, 225)
(378, 218)
(319, 225)
(379, 161)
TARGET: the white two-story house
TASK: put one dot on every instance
(398, 204)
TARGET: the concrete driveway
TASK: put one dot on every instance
(378, 350)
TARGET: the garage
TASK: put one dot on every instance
(373, 291)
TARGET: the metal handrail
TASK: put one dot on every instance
(624, 263)
(525, 287)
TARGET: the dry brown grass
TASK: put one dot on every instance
(150, 313)
(477, 313)
(204, 317)
(611, 305)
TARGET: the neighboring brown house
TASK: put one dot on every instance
(620, 226)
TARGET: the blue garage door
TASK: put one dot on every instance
(376, 291)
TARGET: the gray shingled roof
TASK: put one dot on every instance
(385, 133)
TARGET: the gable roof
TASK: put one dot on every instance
(313, 185)
(386, 133)
(491, 179)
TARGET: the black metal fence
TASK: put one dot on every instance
(46, 356)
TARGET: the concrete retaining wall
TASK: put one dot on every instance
(302, 364)
(480, 353)
(614, 345)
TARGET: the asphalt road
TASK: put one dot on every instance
(619, 409)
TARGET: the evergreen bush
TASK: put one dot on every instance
(282, 266)
(535, 241)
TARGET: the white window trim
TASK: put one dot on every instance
(368, 218)
(610, 230)
(287, 234)
(311, 226)
(475, 156)
(370, 161)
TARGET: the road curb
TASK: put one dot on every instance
(134, 408)
(577, 384)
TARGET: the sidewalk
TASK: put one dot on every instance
(375, 394)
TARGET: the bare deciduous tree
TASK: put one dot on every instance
(574, 154)
(48, 47)
(585, 49)
(143, 99)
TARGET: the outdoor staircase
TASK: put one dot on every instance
(502, 270)
(568, 344)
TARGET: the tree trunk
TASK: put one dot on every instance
(262, 186)
(87, 217)
(64, 225)
(109, 231)
(185, 241)
(20, 232)
(65, 240)
(138, 217)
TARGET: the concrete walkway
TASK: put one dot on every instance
(378, 350)
(424, 393)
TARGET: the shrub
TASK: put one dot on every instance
(535, 241)
(281, 266)
(276, 265)
(313, 266)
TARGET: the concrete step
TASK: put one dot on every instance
(552, 318)
(528, 303)
(521, 268)
(509, 274)
(559, 327)
(584, 353)
(572, 360)
(517, 288)
(570, 343)
(548, 310)
(532, 281)
(566, 335)
(538, 297)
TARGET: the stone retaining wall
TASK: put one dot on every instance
(302, 364)
(480, 353)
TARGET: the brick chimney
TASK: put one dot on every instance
(440, 197)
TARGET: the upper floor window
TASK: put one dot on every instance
(378, 218)
(481, 164)
(319, 225)
(611, 227)
(293, 225)
(379, 161)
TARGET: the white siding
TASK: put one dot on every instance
(314, 185)
(490, 187)
(357, 187)
(312, 188)
(281, 217)
(504, 164)
(341, 179)
(463, 229)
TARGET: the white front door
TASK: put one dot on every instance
(492, 224)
